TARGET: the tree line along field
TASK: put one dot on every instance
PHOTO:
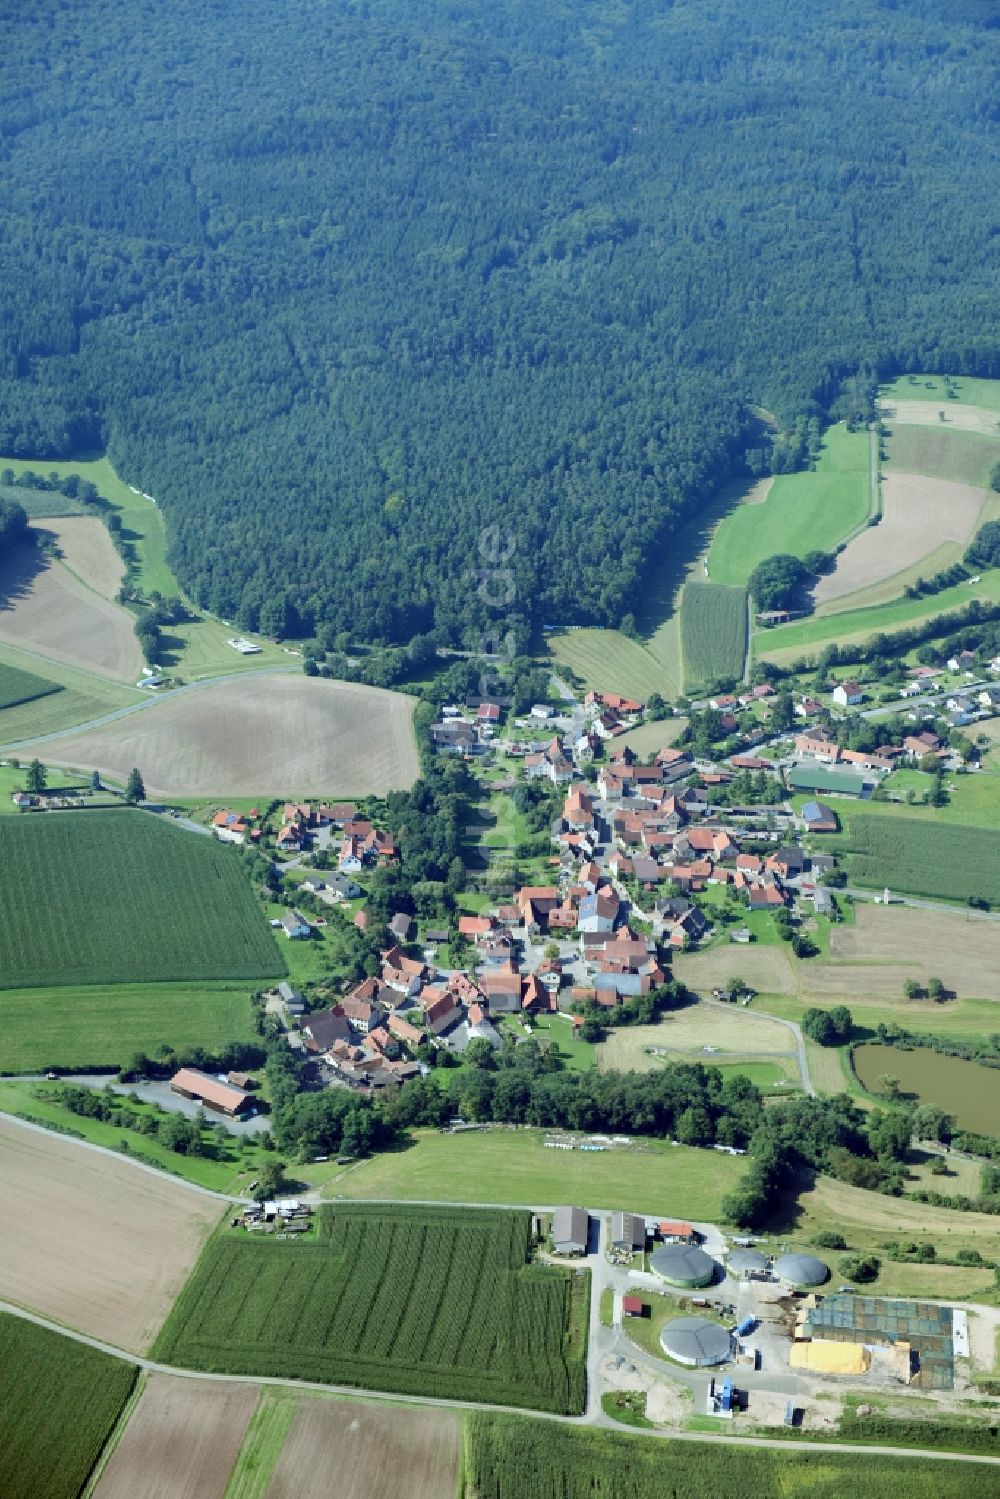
(122, 897)
(713, 633)
(18, 687)
(515, 1457)
(923, 858)
(423, 1301)
(59, 1401)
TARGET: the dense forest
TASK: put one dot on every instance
(343, 282)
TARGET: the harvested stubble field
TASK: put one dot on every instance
(765, 967)
(428, 1301)
(713, 632)
(415, 1454)
(260, 735)
(961, 948)
(103, 1246)
(59, 1400)
(45, 608)
(85, 547)
(181, 1441)
(124, 897)
(958, 415)
(688, 1032)
(941, 452)
(920, 514)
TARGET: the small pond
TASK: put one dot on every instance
(966, 1089)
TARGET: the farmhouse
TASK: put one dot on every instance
(818, 746)
(570, 1230)
(223, 1098)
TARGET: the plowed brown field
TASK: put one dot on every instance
(92, 1242)
(919, 515)
(357, 1451)
(261, 735)
(45, 608)
(181, 1442)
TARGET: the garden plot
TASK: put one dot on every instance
(920, 514)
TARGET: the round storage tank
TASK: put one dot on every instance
(800, 1270)
(746, 1262)
(683, 1265)
(693, 1340)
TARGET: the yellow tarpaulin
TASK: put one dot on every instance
(824, 1357)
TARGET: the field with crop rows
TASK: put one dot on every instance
(514, 1457)
(439, 1302)
(713, 633)
(923, 858)
(59, 1400)
(22, 686)
(123, 897)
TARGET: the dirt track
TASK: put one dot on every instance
(920, 515)
(44, 608)
(93, 1242)
(181, 1441)
(275, 735)
(353, 1451)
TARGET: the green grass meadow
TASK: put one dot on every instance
(83, 697)
(501, 1166)
(17, 686)
(803, 512)
(59, 1401)
(428, 1301)
(969, 390)
(104, 1025)
(122, 897)
(713, 633)
(38, 504)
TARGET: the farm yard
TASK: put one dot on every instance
(122, 897)
(45, 608)
(803, 512)
(265, 734)
(181, 1442)
(59, 1401)
(417, 1454)
(419, 1300)
(920, 514)
(116, 1242)
(923, 858)
(515, 1457)
(103, 1025)
(713, 633)
(516, 1166)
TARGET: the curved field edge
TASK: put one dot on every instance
(265, 734)
(59, 1402)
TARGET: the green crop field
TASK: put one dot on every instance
(104, 1025)
(83, 697)
(609, 661)
(713, 633)
(515, 1457)
(124, 897)
(424, 1301)
(803, 512)
(59, 1400)
(923, 858)
(18, 686)
(515, 1166)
